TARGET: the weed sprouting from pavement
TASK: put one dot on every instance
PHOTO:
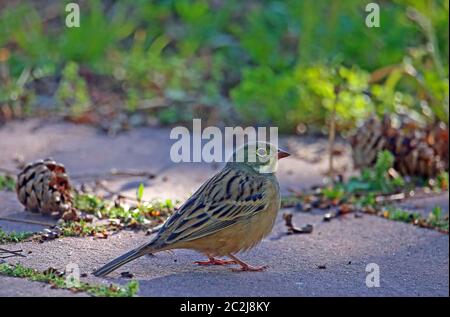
(437, 219)
(140, 215)
(373, 192)
(13, 237)
(58, 281)
(7, 182)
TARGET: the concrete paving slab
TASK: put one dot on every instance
(424, 205)
(10, 208)
(85, 150)
(412, 261)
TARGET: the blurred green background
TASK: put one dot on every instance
(285, 63)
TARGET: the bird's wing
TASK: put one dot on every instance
(228, 197)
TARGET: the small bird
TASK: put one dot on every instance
(231, 212)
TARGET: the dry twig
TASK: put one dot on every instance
(11, 253)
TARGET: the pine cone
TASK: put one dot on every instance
(418, 151)
(367, 142)
(43, 187)
(438, 138)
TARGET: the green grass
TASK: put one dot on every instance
(437, 220)
(333, 192)
(60, 282)
(85, 229)
(439, 183)
(11, 237)
(138, 215)
(363, 191)
(271, 61)
(143, 215)
(376, 179)
(7, 183)
(398, 214)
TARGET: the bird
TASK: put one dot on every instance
(230, 213)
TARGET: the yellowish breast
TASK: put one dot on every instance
(240, 236)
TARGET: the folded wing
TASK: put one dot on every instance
(230, 196)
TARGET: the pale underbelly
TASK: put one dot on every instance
(241, 236)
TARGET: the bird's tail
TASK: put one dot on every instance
(125, 258)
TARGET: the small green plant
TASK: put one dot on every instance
(83, 228)
(336, 192)
(440, 183)
(88, 203)
(72, 92)
(143, 215)
(378, 179)
(140, 192)
(398, 214)
(57, 281)
(7, 182)
(11, 237)
(363, 190)
(268, 59)
(368, 199)
(129, 216)
(436, 219)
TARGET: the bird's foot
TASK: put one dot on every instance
(249, 268)
(246, 267)
(214, 261)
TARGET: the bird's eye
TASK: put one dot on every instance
(261, 152)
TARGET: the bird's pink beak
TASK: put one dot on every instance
(282, 154)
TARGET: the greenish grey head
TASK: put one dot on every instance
(260, 156)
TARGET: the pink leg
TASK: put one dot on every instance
(214, 261)
(245, 266)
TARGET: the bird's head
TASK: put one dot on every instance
(260, 156)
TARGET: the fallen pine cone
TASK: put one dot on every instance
(418, 150)
(43, 187)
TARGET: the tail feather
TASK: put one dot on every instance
(123, 259)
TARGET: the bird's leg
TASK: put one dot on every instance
(245, 266)
(214, 261)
